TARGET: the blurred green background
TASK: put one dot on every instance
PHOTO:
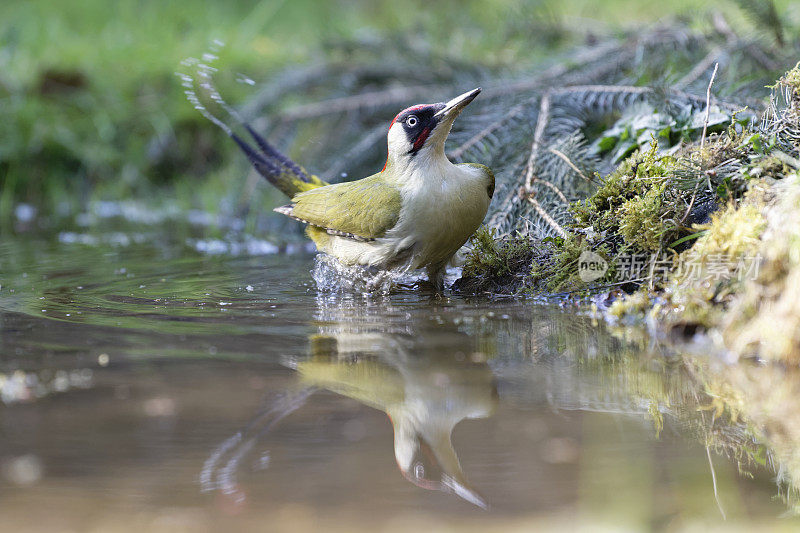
(91, 107)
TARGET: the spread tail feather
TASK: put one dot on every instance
(286, 175)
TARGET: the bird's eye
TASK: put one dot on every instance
(419, 470)
(412, 121)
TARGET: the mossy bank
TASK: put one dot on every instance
(705, 237)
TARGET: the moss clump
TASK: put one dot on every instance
(640, 223)
(764, 315)
(634, 179)
(641, 207)
(516, 264)
(497, 265)
(655, 205)
(792, 78)
(559, 270)
(498, 257)
(712, 270)
(637, 304)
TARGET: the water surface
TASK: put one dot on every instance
(150, 386)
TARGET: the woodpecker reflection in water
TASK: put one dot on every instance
(424, 379)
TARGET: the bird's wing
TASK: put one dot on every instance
(363, 209)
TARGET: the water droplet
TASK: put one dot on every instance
(241, 78)
(24, 470)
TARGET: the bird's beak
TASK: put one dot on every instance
(454, 106)
(463, 490)
(441, 469)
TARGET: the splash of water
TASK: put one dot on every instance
(333, 277)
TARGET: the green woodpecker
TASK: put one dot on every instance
(415, 213)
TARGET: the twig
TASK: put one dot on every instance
(697, 187)
(572, 165)
(546, 216)
(619, 53)
(553, 188)
(539, 133)
(708, 105)
(694, 98)
(714, 482)
(691, 204)
(541, 124)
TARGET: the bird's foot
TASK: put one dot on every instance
(425, 286)
(430, 289)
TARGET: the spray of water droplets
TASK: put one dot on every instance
(197, 77)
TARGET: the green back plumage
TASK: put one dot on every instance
(367, 208)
